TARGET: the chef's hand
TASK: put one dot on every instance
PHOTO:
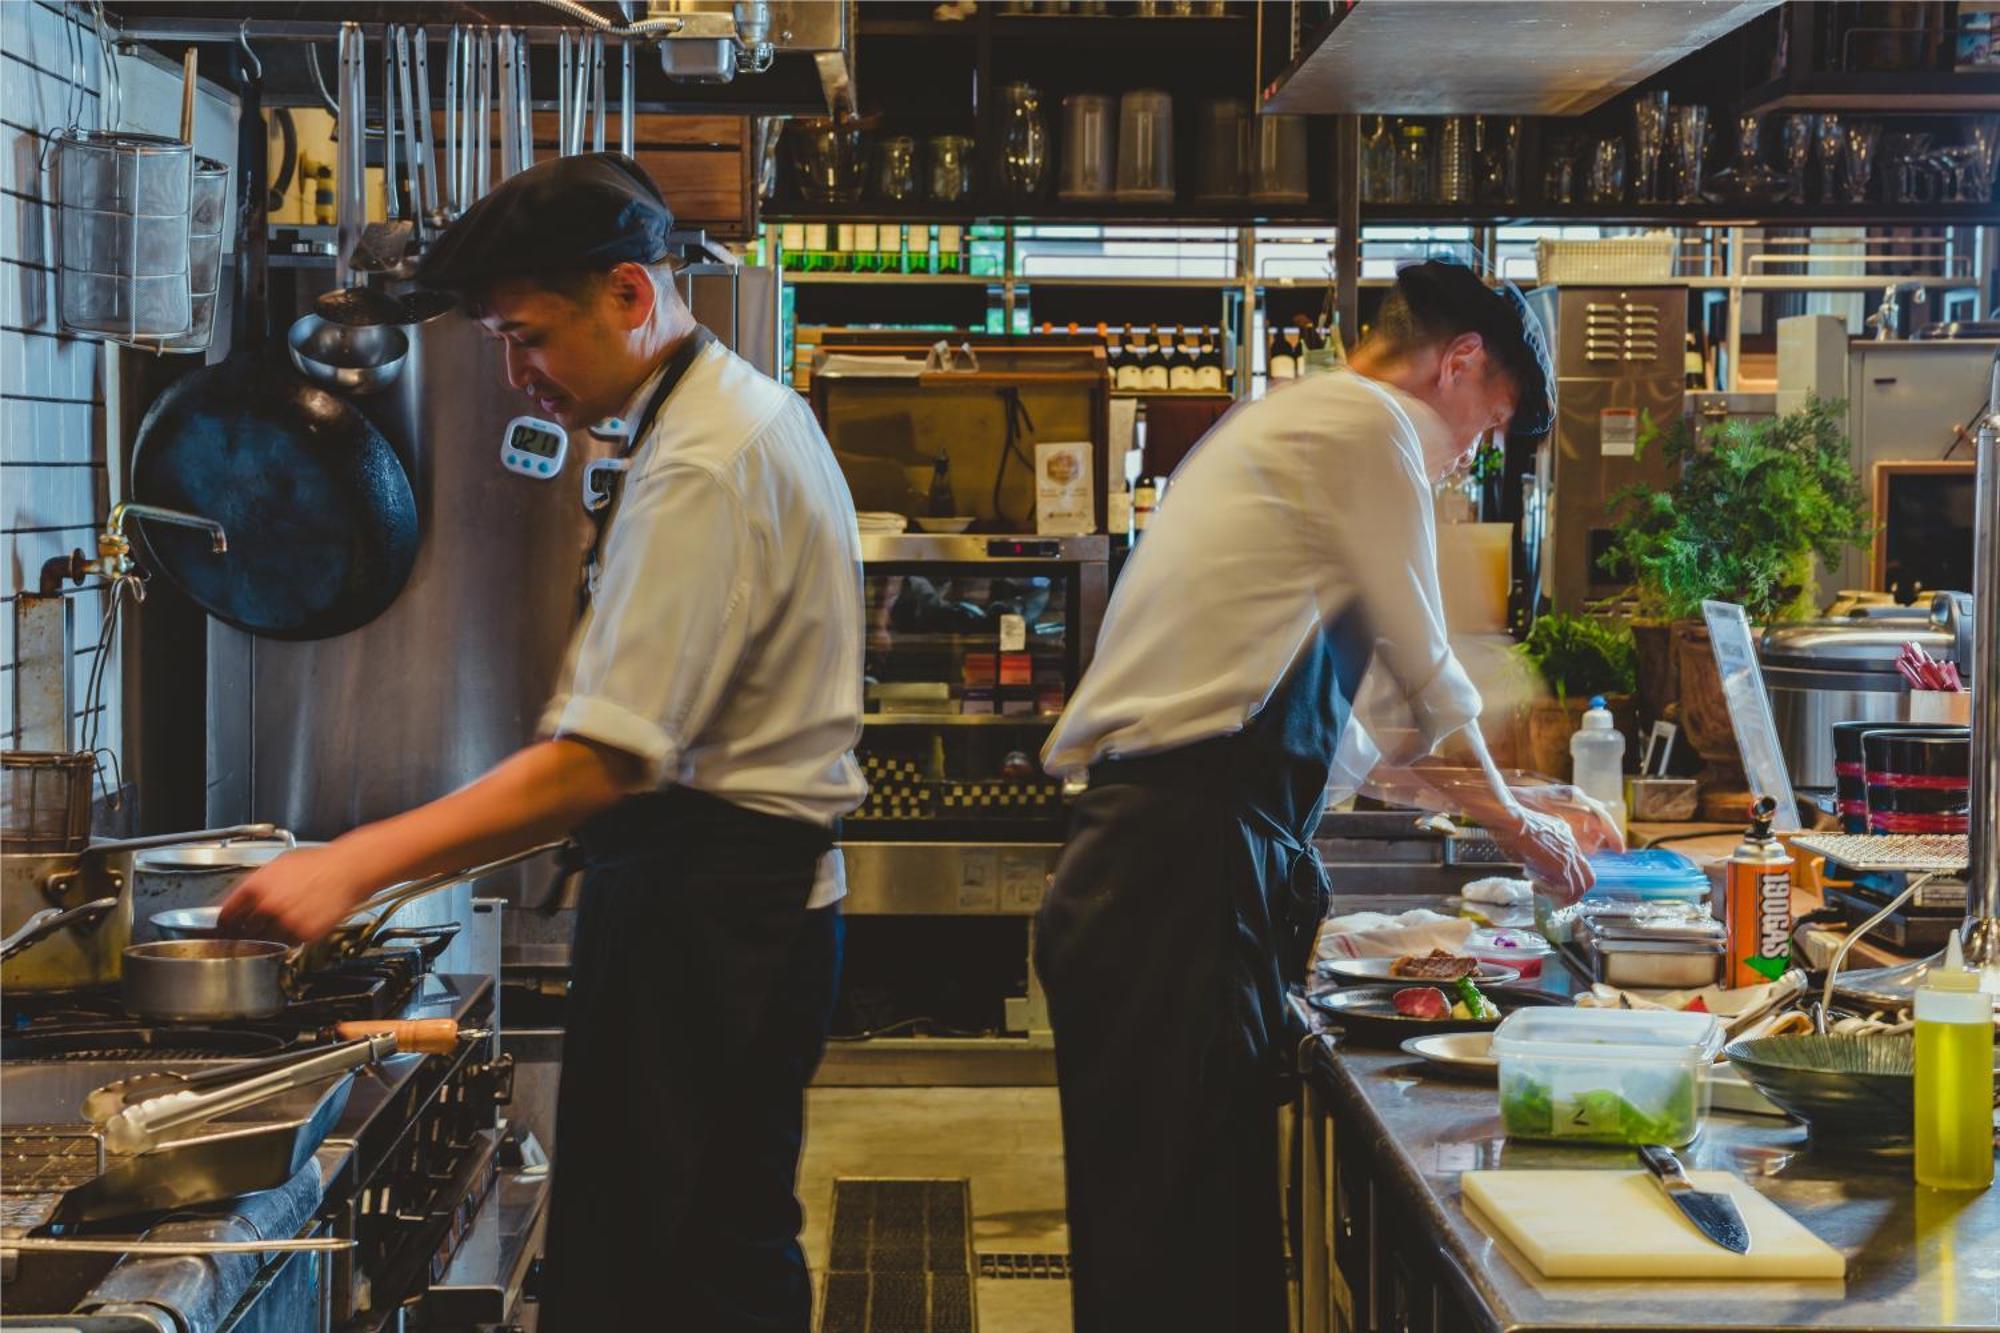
(1544, 844)
(296, 897)
(1589, 820)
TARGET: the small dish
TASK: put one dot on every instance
(1377, 969)
(943, 525)
(1466, 1055)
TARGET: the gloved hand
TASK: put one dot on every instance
(1544, 844)
(1589, 819)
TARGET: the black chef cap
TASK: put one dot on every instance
(584, 212)
(1444, 295)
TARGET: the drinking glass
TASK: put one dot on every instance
(1496, 143)
(1649, 136)
(828, 159)
(1413, 164)
(1559, 173)
(1830, 140)
(951, 167)
(896, 168)
(1982, 134)
(1858, 165)
(1607, 171)
(1795, 136)
(1906, 175)
(1378, 163)
(1690, 148)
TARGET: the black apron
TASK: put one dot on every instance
(1183, 906)
(700, 995)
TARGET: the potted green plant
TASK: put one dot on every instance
(1577, 657)
(1755, 503)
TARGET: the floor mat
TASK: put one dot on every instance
(899, 1257)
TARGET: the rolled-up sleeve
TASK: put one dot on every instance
(668, 623)
(1380, 550)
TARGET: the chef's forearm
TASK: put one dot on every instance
(536, 795)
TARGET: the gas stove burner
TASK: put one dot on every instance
(132, 1042)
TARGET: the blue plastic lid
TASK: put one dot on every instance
(1655, 872)
(1597, 701)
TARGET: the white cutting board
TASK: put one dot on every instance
(1619, 1224)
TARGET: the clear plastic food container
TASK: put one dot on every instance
(1605, 1075)
(1651, 875)
(1523, 950)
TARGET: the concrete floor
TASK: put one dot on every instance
(1007, 1141)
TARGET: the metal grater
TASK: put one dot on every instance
(1890, 853)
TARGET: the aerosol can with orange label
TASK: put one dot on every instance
(1758, 903)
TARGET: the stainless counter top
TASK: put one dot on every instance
(1917, 1259)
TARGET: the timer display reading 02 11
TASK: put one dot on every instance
(534, 448)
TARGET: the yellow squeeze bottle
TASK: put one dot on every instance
(1954, 1078)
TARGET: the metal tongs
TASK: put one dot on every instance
(134, 1113)
(138, 1127)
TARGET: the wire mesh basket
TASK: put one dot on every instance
(123, 203)
(1623, 259)
(208, 229)
(45, 800)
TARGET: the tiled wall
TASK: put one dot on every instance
(57, 471)
(53, 477)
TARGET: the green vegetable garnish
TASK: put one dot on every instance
(1481, 1007)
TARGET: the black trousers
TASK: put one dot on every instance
(699, 1002)
(1178, 913)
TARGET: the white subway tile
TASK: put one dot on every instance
(47, 497)
(13, 362)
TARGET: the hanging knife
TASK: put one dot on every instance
(1714, 1215)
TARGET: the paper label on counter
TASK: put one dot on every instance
(1618, 432)
(979, 880)
(1023, 878)
(1013, 633)
(1065, 499)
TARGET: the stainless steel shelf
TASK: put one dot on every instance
(912, 547)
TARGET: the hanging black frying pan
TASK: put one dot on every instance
(322, 524)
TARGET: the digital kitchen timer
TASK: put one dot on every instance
(534, 448)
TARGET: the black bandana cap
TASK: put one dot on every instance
(589, 211)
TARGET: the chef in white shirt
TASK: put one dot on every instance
(698, 749)
(1282, 611)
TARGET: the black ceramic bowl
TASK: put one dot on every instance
(1854, 1093)
(1918, 781)
(1849, 780)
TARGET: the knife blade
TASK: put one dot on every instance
(1714, 1215)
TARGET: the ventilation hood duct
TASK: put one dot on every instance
(1525, 58)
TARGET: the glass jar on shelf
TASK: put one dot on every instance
(1024, 141)
(1413, 164)
(1378, 163)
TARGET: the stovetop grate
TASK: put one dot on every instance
(41, 1159)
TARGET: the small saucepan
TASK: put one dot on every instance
(208, 981)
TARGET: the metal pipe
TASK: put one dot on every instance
(124, 509)
(1982, 902)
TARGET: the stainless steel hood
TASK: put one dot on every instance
(1526, 57)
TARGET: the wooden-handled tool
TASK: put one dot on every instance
(421, 1036)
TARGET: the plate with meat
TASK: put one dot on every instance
(1436, 968)
(1389, 1015)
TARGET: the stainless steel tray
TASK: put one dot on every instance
(258, 1148)
(1889, 853)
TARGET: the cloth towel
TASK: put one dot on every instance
(1378, 935)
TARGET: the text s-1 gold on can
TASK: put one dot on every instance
(1758, 903)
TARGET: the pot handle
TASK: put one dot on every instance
(234, 833)
(50, 920)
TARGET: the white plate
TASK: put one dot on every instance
(951, 525)
(1377, 969)
(1459, 1054)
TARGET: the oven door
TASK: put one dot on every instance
(485, 1284)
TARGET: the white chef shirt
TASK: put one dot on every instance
(1290, 511)
(722, 645)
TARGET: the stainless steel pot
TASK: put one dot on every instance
(195, 875)
(1825, 671)
(59, 955)
(207, 981)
